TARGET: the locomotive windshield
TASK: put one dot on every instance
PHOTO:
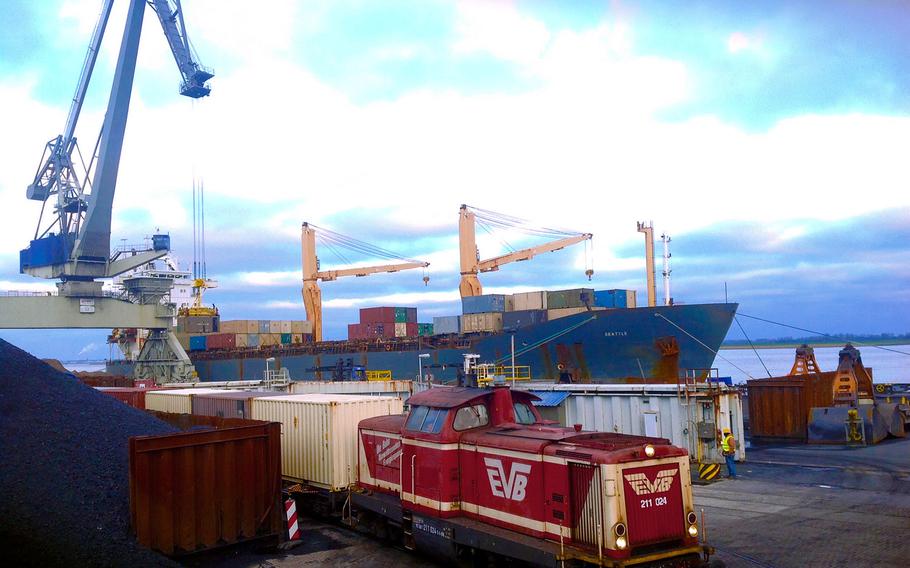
(426, 419)
(471, 417)
(524, 414)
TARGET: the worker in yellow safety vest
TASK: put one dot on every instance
(728, 448)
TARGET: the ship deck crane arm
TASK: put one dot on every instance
(329, 275)
(494, 263)
(312, 295)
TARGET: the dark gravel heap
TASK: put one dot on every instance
(64, 469)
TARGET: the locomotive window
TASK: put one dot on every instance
(524, 414)
(471, 417)
(426, 419)
(415, 419)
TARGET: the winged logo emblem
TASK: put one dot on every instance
(643, 486)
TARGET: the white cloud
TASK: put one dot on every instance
(498, 28)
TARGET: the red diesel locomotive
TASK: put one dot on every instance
(473, 473)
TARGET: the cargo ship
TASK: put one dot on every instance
(592, 345)
(578, 335)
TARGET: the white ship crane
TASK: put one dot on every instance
(471, 264)
(71, 243)
(312, 295)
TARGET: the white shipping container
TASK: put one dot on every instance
(286, 326)
(489, 321)
(175, 401)
(401, 389)
(529, 301)
(319, 433)
(275, 326)
(401, 330)
(301, 326)
(242, 340)
(657, 410)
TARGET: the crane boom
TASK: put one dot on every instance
(526, 254)
(312, 295)
(329, 275)
(194, 74)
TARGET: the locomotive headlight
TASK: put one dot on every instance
(693, 531)
(649, 451)
(692, 517)
(621, 542)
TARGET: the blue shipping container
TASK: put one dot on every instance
(523, 318)
(446, 324)
(610, 299)
(483, 304)
(197, 343)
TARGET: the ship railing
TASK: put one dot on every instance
(383, 375)
(489, 374)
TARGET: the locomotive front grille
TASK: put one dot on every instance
(587, 503)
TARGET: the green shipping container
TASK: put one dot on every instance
(424, 329)
(286, 338)
(401, 315)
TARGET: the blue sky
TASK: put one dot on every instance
(768, 139)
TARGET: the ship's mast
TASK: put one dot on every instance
(648, 230)
(668, 300)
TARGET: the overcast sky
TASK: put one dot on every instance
(769, 140)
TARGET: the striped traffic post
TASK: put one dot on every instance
(290, 509)
(708, 471)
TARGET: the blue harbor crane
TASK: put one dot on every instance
(71, 243)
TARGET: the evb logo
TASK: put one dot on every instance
(512, 486)
(643, 486)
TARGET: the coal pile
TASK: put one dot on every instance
(64, 469)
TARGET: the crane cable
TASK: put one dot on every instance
(335, 241)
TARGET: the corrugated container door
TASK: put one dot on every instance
(587, 503)
(275, 326)
(401, 315)
(412, 315)
(296, 326)
(241, 340)
(401, 329)
(252, 326)
(264, 326)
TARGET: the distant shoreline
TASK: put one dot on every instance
(795, 344)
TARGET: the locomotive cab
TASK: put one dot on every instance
(478, 469)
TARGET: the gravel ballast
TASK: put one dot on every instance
(64, 469)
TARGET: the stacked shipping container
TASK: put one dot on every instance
(247, 334)
(386, 322)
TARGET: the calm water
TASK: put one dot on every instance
(741, 364)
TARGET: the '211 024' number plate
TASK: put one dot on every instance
(656, 502)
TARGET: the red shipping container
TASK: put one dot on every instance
(377, 315)
(220, 341)
(412, 329)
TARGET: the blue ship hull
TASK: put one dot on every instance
(596, 346)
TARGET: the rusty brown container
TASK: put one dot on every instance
(779, 407)
(198, 490)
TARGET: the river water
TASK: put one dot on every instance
(889, 363)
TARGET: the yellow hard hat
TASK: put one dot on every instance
(726, 430)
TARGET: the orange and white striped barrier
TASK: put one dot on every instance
(290, 509)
